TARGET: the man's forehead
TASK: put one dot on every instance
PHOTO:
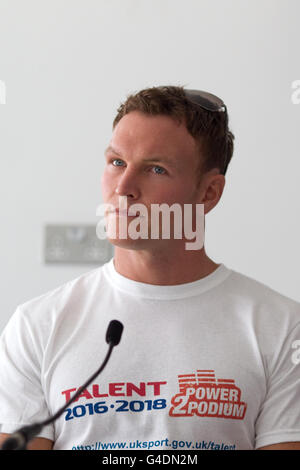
(150, 137)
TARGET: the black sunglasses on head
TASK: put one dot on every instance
(206, 100)
(212, 103)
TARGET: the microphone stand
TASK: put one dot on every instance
(20, 438)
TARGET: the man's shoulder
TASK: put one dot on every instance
(57, 297)
(261, 295)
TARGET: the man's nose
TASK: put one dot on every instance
(127, 184)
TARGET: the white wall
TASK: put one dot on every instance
(67, 64)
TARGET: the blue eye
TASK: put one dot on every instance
(159, 169)
(116, 160)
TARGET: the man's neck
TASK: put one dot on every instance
(163, 269)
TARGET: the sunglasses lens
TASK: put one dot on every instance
(205, 100)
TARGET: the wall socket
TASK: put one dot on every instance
(75, 244)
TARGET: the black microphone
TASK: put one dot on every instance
(19, 439)
(114, 332)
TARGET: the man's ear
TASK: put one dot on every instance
(211, 188)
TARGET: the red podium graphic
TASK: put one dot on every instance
(203, 395)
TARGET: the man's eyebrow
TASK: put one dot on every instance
(111, 149)
(167, 160)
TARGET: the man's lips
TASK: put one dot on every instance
(124, 213)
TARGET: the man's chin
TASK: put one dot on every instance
(129, 244)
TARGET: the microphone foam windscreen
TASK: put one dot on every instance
(114, 332)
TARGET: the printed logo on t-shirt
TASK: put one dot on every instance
(200, 394)
(203, 395)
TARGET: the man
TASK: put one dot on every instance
(208, 357)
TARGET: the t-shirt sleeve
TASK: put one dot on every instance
(22, 399)
(279, 417)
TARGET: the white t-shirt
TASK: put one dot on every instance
(210, 364)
